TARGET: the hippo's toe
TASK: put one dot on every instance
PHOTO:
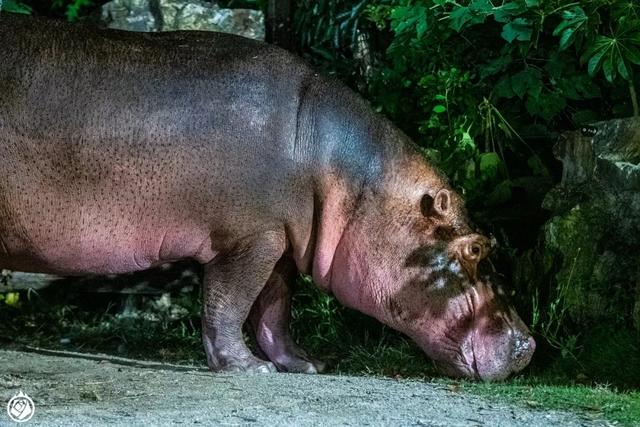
(253, 365)
(300, 365)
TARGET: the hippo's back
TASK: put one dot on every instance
(72, 77)
(121, 149)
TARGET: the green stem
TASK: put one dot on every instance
(634, 98)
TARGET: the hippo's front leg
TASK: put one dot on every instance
(270, 318)
(232, 282)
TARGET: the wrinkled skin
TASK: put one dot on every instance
(123, 151)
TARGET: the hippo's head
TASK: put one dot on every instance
(409, 258)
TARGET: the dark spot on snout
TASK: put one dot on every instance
(422, 294)
(425, 256)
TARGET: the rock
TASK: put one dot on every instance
(11, 281)
(607, 152)
(590, 248)
(129, 15)
(177, 278)
(173, 15)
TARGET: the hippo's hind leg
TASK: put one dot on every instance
(270, 318)
(232, 282)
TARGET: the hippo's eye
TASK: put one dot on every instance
(588, 131)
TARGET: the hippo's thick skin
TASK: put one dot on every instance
(121, 151)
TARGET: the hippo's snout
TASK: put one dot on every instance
(498, 357)
(489, 358)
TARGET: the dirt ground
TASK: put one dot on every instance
(70, 391)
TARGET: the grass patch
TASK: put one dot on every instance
(600, 401)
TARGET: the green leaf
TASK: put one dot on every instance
(631, 54)
(489, 163)
(573, 22)
(623, 70)
(600, 44)
(596, 62)
(459, 17)
(567, 38)
(13, 6)
(12, 299)
(519, 29)
(608, 68)
(507, 11)
(466, 16)
(402, 19)
(467, 140)
(563, 25)
(439, 109)
(519, 84)
(503, 88)
(407, 19)
(421, 27)
(526, 81)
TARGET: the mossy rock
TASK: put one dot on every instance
(594, 271)
(584, 273)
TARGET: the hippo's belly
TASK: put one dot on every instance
(57, 223)
(104, 247)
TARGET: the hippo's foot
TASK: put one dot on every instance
(234, 356)
(230, 286)
(270, 317)
(247, 365)
(298, 362)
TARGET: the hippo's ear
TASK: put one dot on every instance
(438, 205)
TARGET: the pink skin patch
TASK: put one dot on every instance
(120, 253)
(330, 231)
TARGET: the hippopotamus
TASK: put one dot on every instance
(122, 151)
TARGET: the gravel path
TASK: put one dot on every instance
(79, 392)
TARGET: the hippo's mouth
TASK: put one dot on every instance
(463, 364)
(458, 369)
